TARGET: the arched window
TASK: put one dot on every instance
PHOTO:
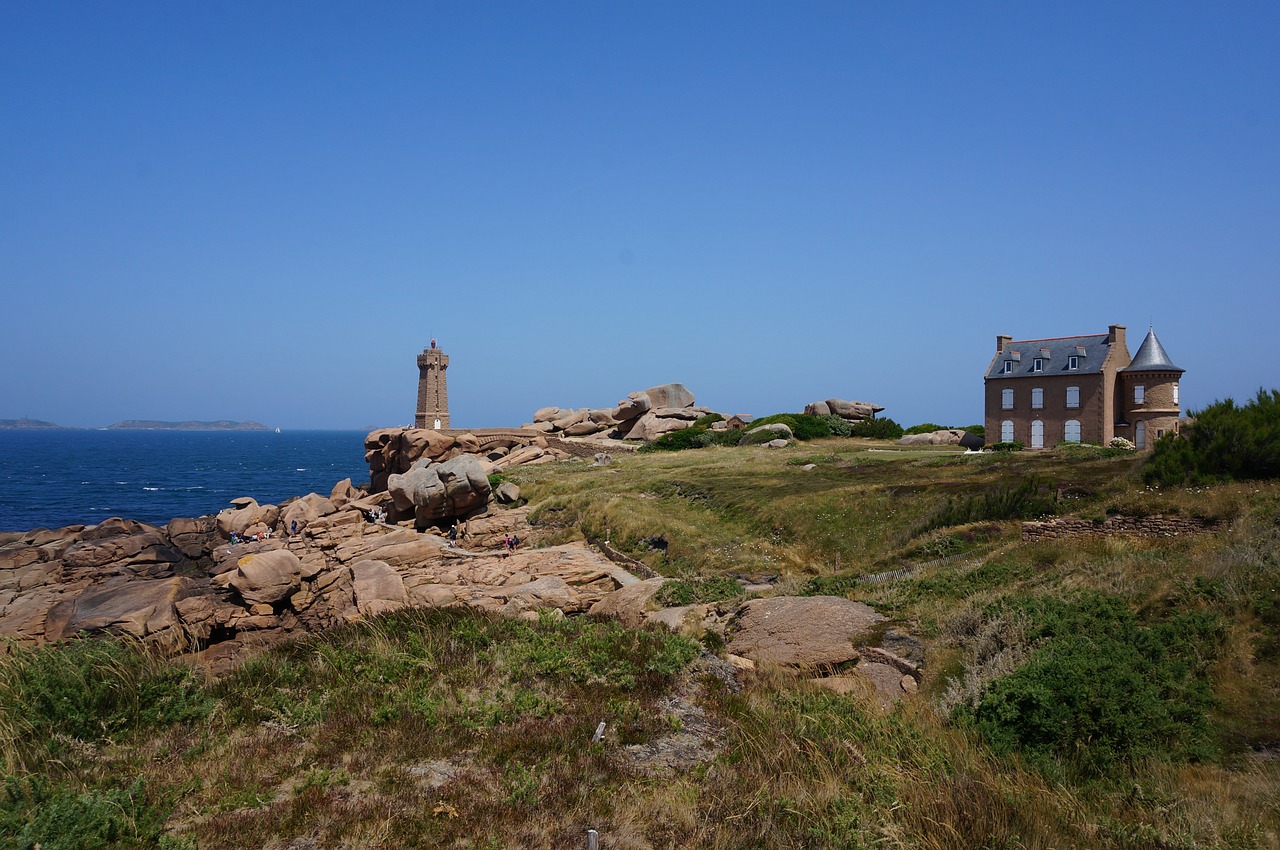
(1006, 398)
(1037, 434)
(1037, 398)
(1071, 431)
(1073, 396)
(1140, 435)
(1006, 431)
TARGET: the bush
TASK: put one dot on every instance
(89, 689)
(1102, 689)
(839, 427)
(877, 429)
(756, 438)
(699, 590)
(1028, 500)
(37, 813)
(803, 425)
(677, 441)
(1008, 446)
(708, 420)
(980, 430)
(1224, 443)
(925, 428)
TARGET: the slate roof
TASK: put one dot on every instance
(1092, 350)
(1151, 357)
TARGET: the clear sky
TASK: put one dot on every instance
(266, 210)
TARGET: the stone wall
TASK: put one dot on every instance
(1149, 526)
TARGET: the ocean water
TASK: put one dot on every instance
(55, 478)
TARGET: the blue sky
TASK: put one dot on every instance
(266, 210)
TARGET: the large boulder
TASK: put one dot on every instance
(803, 631)
(265, 577)
(631, 604)
(378, 588)
(193, 537)
(437, 491)
(122, 543)
(945, 437)
(138, 608)
(854, 411)
(305, 511)
(245, 514)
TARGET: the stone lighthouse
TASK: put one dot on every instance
(433, 392)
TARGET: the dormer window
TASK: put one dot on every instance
(1008, 367)
(1073, 362)
(1037, 365)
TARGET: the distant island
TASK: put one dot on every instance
(25, 424)
(158, 425)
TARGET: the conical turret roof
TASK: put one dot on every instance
(1151, 357)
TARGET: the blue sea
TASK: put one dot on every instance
(55, 478)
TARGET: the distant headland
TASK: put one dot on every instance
(26, 424)
(157, 425)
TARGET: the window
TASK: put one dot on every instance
(1008, 367)
(1073, 362)
(1175, 396)
(1037, 434)
(1073, 396)
(1006, 431)
(1037, 398)
(1006, 399)
(1037, 365)
(1140, 435)
(1071, 431)
(1139, 394)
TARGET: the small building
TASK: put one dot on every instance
(1077, 389)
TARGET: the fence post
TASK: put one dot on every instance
(593, 840)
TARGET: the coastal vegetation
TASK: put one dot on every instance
(1101, 691)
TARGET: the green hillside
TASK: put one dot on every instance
(1114, 692)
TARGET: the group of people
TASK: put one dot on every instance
(511, 542)
(238, 538)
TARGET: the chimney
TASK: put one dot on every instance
(1001, 341)
(1115, 334)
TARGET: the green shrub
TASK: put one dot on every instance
(495, 480)
(678, 441)
(1007, 446)
(756, 438)
(925, 428)
(1027, 500)
(837, 585)
(1224, 443)
(708, 420)
(1102, 689)
(839, 427)
(877, 429)
(729, 437)
(979, 430)
(803, 426)
(34, 812)
(698, 590)
(88, 689)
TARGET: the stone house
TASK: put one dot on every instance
(1081, 389)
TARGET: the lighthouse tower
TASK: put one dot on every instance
(433, 391)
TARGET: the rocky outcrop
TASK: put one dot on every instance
(433, 491)
(945, 437)
(852, 411)
(803, 631)
(641, 416)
